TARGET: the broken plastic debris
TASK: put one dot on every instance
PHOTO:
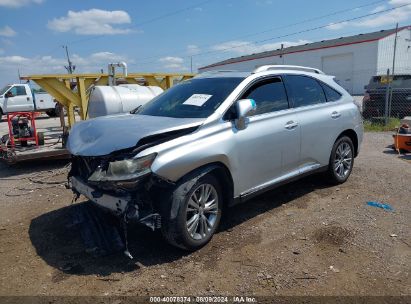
(128, 254)
(380, 205)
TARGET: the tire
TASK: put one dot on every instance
(1, 115)
(341, 160)
(23, 143)
(40, 137)
(182, 213)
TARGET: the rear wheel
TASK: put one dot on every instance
(341, 160)
(1, 115)
(193, 216)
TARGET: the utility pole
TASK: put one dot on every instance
(191, 60)
(393, 71)
(70, 68)
(18, 73)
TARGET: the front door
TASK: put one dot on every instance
(268, 148)
(20, 101)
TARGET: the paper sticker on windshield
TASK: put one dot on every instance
(197, 100)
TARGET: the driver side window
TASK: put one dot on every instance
(18, 90)
(269, 96)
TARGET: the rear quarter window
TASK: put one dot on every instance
(330, 93)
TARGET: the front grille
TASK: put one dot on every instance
(85, 166)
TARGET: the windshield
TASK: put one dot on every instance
(194, 98)
(4, 90)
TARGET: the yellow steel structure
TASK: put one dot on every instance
(73, 90)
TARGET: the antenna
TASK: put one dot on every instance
(70, 67)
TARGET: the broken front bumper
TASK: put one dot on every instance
(115, 204)
(125, 207)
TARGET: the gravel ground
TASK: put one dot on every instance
(305, 238)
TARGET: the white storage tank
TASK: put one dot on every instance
(108, 100)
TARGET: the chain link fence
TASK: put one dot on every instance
(387, 99)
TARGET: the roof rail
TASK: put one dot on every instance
(264, 68)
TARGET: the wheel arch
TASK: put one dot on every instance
(219, 171)
(350, 133)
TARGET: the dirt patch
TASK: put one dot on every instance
(332, 235)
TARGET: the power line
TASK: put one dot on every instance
(164, 16)
(306, 30)
(277, 28)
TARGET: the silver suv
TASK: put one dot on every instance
(213, 141)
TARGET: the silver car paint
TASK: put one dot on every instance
(264, 153)
(106, 134)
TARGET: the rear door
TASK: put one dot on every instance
(21, 100)
(269, 147)
(319, 119)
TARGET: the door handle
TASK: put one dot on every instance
(291, 125)
(28, 98)
(335, 114)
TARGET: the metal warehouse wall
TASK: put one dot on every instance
(403, 54)
(353, 65)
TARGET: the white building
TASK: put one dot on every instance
(353, 60)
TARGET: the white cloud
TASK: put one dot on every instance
(387, 18)
(193, 49)
(18, 3)
(171, 60)
(91, 63)
(245, 48)
(7, 31)
(173, 63)
(92, 22)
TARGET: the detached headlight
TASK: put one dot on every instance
(124, 169)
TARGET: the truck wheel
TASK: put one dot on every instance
(193, 214)
(1, 115)
(40, 137)
(341, 160)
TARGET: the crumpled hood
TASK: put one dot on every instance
(104, 135)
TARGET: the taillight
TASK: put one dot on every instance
(366, 97)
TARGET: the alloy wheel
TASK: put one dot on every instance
(343, 160)
(202, 211)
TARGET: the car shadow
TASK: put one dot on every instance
(57, 240)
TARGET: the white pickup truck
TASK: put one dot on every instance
(20, 98)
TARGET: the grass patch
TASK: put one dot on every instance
(378, 125)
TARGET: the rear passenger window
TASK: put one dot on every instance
(305, 91)
(269, 96)
(330, 93)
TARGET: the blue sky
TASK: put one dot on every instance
(154, 36)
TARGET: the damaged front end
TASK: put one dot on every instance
(119, 183)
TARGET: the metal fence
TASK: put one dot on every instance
(382, 104)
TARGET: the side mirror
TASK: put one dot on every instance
(9, 94)
(243, 107)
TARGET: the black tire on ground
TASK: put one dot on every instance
(1, 115)
(175, 217)
(342, 154)
(23, 143)
(40, 137)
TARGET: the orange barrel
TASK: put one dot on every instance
(402, 142)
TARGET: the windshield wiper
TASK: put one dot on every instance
(134, 111)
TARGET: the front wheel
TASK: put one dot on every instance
(341, 160)
(194, 213)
